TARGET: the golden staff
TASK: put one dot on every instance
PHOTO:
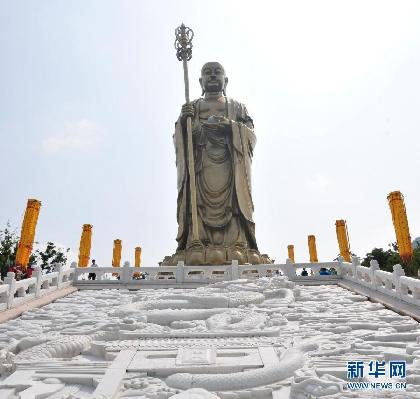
(183, 46)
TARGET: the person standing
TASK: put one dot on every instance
(92, 276)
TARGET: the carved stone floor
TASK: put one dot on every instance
(261, 339)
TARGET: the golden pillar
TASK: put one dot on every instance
(399, 218)
(313, 257)
(116, 253)
(343, 239)
(27, 234)
(85, 245)
(137, 260)
(291, 253)
(137, 257)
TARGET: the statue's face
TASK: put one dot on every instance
(213, 79)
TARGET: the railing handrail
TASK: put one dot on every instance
(14, 292)
(205, 274)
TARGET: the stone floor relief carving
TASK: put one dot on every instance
(240, 339)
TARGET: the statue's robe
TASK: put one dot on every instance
(223, 181)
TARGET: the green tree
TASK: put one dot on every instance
(388, 258)
(9, 240)
(414, 265)
(416, 257)
(8, 247)
(51, 255)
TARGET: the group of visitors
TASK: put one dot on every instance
(322, 272)
(20, 272)
(23, 273)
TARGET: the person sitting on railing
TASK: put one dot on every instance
(304, 272)
(92, 276)
(19, 274)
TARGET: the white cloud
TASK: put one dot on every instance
(317, 181)
(76, 135)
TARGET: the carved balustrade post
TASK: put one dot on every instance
(37, 273)
(179, 272)
(234, 268)
(290, 271)
(125, 273)
(396, 274)
(11, 282)
(59, 268)
(73, 265)
(340, 267)
(374, 266)
(355, 261)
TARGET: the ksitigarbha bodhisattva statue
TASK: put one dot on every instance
(223, 142)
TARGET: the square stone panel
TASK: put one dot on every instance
(194, 356)
(161, 363)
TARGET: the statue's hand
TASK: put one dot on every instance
(186, 111)
(221, 125)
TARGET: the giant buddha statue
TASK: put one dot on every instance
(223, 143)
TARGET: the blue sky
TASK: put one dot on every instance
(90, 91)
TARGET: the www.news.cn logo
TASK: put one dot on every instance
(377, 370)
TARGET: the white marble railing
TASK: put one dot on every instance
(13, 292)
(394, 284)
(162, 275)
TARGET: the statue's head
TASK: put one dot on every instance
(213, 78)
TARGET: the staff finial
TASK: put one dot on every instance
(183, 42)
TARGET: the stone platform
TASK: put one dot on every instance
(250, 338)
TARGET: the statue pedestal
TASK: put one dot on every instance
(212, 256)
